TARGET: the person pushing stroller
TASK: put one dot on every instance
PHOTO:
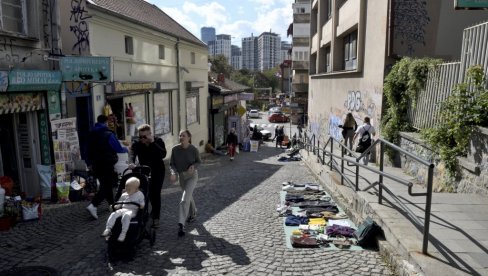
(126, 211)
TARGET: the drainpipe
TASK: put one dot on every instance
(178, 100)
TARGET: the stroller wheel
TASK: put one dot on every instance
(152, 236)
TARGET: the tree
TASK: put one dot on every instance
(220, 64)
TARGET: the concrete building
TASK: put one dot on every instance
(269, 45)
(300, 32)
(158, 70)
(250, 53)
(236, 57)
(207, 34)
(355, 42)
(220, 46)
(30, 83)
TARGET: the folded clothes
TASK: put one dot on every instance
(337, 230)
(312, 203)
(292, 220)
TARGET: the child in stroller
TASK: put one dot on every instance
(119, 248)
(133, 200)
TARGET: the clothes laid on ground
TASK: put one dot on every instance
(313, 220)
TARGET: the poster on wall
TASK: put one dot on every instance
(138, 106)
(162, 122)
(191, 110)
(66, 147)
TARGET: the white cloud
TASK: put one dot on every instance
(182, 19)
(213, 13)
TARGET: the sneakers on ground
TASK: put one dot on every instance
(121, 237)
(155, 223)
(106, 233)
(181, 230)
(92, 210)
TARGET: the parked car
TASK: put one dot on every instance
(253, 113)
(275, 109)
(266, 134)
(278, 118)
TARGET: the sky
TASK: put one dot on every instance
(238, 18)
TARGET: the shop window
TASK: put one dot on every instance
(129, 45)
(161, 52)
(192, 57)
(162, 113)
(192, 107)
(13, 17)
(350, 51)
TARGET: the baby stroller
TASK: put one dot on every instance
(138, 229)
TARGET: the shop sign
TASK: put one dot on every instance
(471, 4)
(217, 101)
(132, 86)
(68, 123)
(44, 139)
(3, 81)
(230, 98)
(94, 69)
(246, 96)
(34, 80)
(14, 103)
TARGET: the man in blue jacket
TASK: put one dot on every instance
(103, 147)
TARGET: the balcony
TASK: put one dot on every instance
(300, 65)
(348, 16)
(315, 44)
(299, 87)
(326, 33)
(301, 18)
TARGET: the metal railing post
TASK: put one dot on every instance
(428, 203)
(380, 187)
(342, 165)
(331, 152)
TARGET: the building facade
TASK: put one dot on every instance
(355, 42)
(236, 57)
(207, 34)
(30, 82)
(221, 46)
(250, 53)
(285, 52)
(158, 70)
(269, 45)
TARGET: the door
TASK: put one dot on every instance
(28, 155)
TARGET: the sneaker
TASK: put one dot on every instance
(92, 210)
(121, 237)
(106, 233)
(181, 230)
(155, 223)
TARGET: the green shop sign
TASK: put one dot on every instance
(95, 69)
(44, 138)
(33, 80)
(471, 4)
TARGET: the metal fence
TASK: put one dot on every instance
(441, 81)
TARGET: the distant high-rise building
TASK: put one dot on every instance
(220, 46)
(269, 45)
(285, 52)
(250, 53)
(236, 57)
(207, 34)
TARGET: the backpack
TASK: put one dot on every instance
(366, 233)
(364, 141)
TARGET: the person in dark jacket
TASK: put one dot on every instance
(103, 147)
(232, 143)
(151, 151)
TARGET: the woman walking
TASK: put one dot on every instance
(232, 143)
(185, 159)
(348, 129)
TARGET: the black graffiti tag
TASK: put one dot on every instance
(79, 27)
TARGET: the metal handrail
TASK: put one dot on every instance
(317, 150)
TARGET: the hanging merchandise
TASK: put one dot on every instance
(107, 109)
(7, 183)
(129, 114)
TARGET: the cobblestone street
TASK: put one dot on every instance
(237, 231)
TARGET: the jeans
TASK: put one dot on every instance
(155, 194)
(107, 178)
(348, 138)
(187, 204)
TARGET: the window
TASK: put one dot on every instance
(192, 108)
(129, 45)
(13, 17)
(329, 9)
(192, 56)
(350, 51)
(162, 113)
(161, 52)
(327, 59)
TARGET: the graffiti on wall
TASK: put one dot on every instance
(79, 26)
(7, 53)
(355, 103)
(411, 19)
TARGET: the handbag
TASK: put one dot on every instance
(360, 148)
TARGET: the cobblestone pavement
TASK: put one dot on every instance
(237, 231)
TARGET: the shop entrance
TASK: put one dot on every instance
(19, 146)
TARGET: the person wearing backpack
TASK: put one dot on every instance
(365, 132)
